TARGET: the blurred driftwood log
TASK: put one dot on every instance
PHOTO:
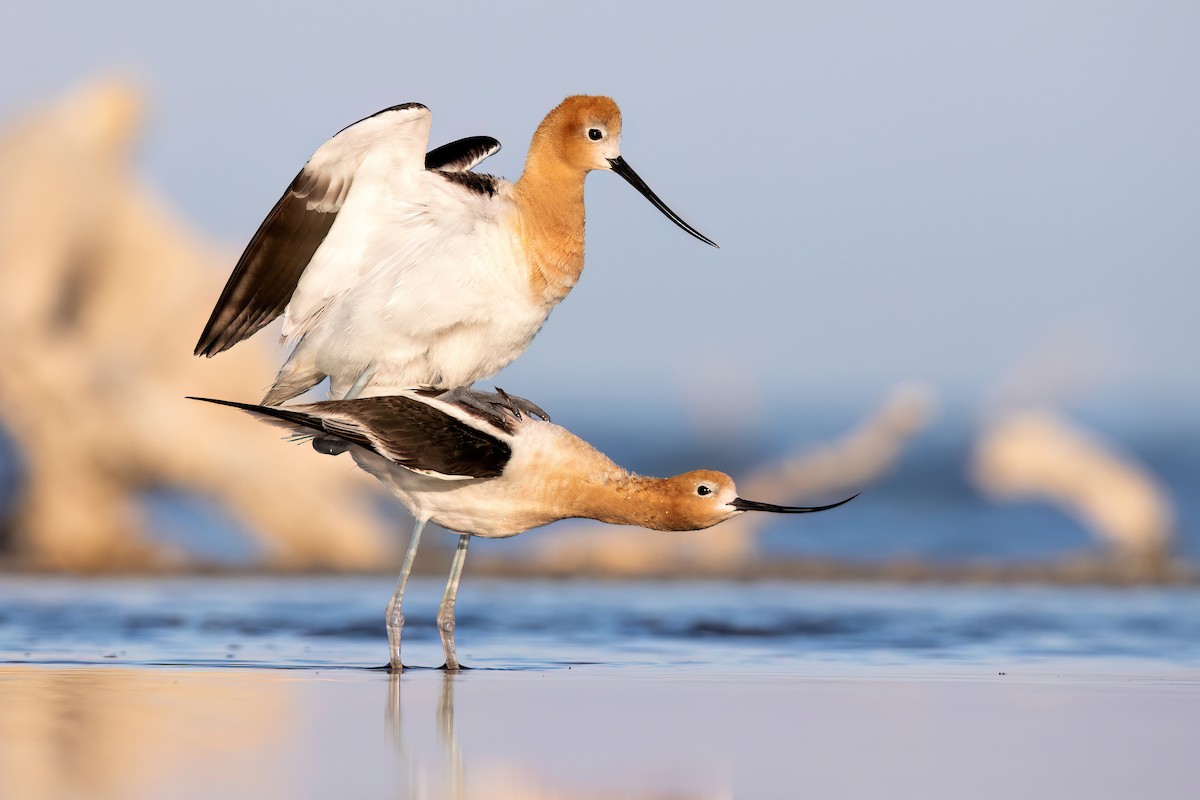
(103, 294)
(1039, 455)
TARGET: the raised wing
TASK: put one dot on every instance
(266, 275)
(463, 155)
(402, 429)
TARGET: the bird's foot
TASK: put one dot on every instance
(330, 445)
(520, 404)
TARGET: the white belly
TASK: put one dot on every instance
(479, 506)
(427, 339)
(458, 312)
(537, 487)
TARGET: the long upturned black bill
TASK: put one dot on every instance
(751, 505)
(625, 171)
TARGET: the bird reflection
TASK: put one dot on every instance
(447, 735)
(395, 735)
(444, 774)
(448, 774)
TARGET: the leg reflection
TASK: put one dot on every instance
(439, 773)
(394, 732)
(450, 749)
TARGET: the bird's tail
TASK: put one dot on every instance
(299, 421)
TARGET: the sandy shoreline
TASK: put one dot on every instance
(596, 732)
(229, 687)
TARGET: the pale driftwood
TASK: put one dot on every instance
(1039, 455)
(102, 293)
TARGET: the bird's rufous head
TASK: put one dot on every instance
(583, 133)
(702, 498)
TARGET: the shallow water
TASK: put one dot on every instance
(267, 687)
(303, 622)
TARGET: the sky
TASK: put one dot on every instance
(998, 199)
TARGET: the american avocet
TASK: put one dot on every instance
(394, 268)
(478, 466)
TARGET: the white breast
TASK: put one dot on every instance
(525, 496)
(422, 278)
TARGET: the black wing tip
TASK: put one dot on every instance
(230, 403)
(488, 144)
(400, 107)
(209, 346)
(388, 110)
(212, 345)
(462, 154)
(397, 107)
(209, 341)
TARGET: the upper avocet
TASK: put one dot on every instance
(398, 269)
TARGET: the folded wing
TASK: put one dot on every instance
(402, 429)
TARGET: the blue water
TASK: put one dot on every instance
(925, 509)
(509, 624)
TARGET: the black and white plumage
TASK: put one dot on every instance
(481, 465)
(266, 275)
(408, 431)
(394, 268)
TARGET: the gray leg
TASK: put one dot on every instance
(360, 383)
(445, 617)
(395, 615)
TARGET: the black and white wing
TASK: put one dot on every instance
(403, 429)
(269, 270)
(463, 155)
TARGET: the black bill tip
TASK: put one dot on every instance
(623, 169)
(752, 505)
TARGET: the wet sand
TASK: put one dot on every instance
(592, 732)
(202, 687)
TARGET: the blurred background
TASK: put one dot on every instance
(958, 268)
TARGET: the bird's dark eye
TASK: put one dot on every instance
(703, 490)
(595, 134)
